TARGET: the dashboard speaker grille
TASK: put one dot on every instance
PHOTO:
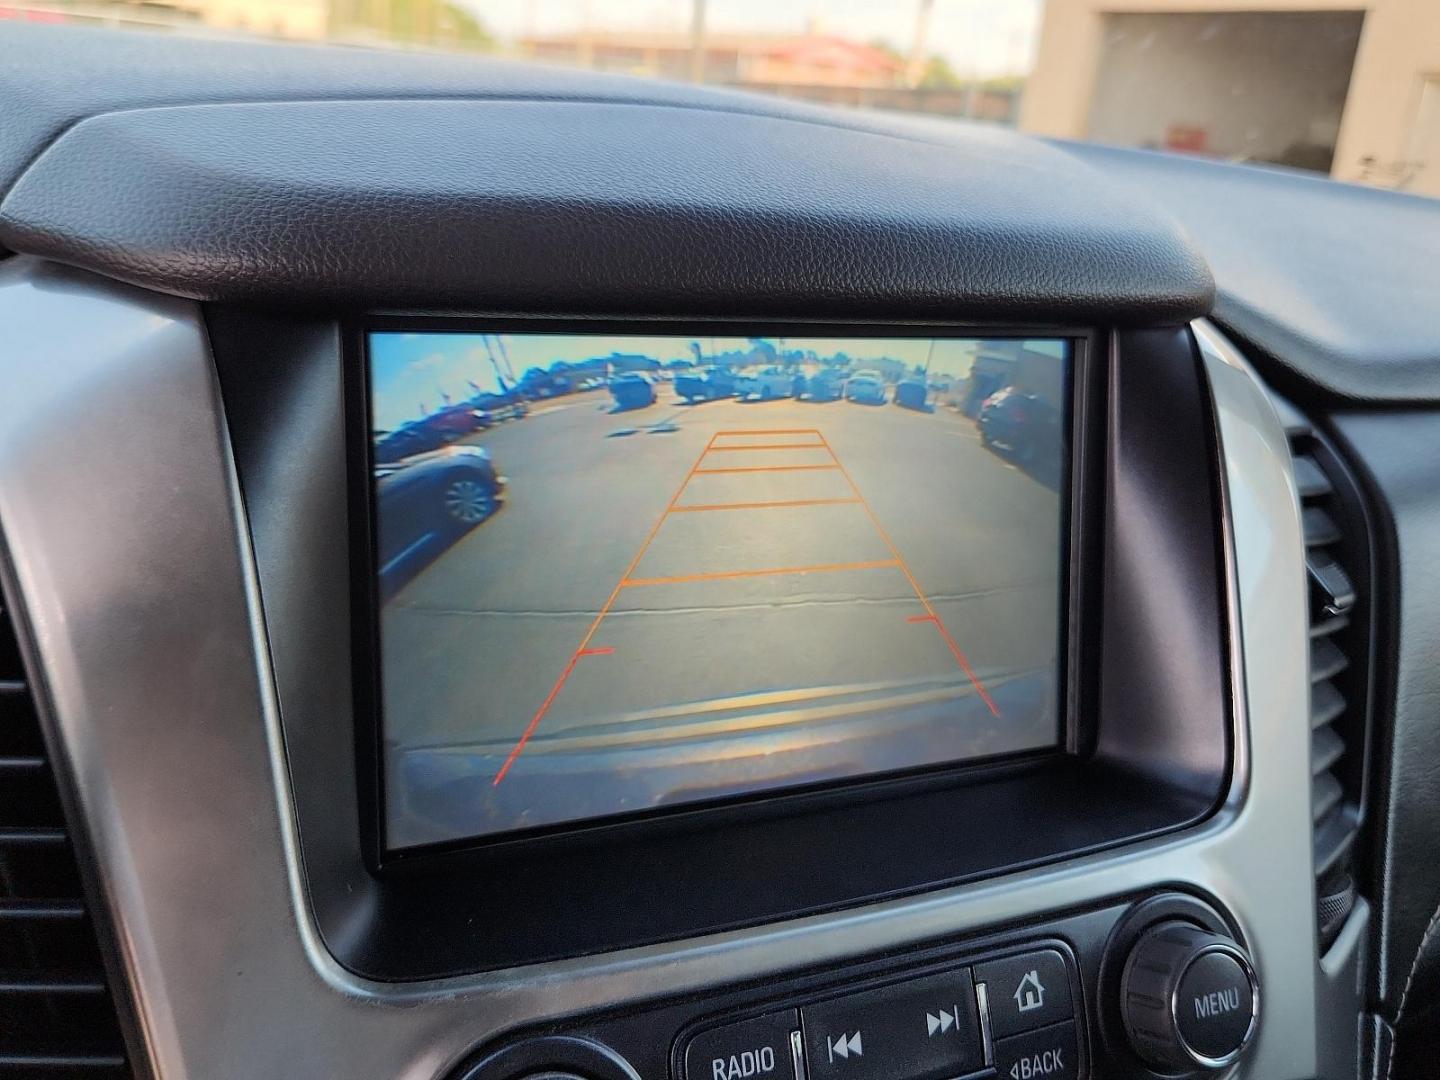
(1337, 562)
(57, 1018)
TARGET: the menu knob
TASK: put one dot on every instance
(1189, 998)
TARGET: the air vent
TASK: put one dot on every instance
(57, 1018)
(1337, 564)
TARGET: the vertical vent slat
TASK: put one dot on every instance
(57, 1017)
(1337, 719)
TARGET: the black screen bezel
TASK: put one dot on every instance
(1154, 749)
(1070, 736)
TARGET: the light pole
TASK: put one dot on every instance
(697, 41)
(915, 68)
(494, 364)
(505, 356)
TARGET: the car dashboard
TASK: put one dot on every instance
(1157, 540)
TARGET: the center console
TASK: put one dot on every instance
(474, 701)
(1070, 840)
(1157, 987)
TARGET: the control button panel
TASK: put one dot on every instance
(922, 1029)
(757, 1049)
(1012, 1017)
(1051, 1053)
(1026, 992)
(1168, 990)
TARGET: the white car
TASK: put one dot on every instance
(772, 382)
(866, 387)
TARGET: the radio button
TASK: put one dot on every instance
(924, 1029)
(757, 1049)
(1052, 1053)
(1026, 992)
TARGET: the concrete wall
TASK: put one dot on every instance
(1251, 87)
(1399, 50)
(1379, 134)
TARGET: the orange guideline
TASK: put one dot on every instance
(767, 446)
(919, 593)
(672, 507)
(766, 468)
(695, 508)
(768, 571)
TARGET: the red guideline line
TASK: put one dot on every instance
(583, 648)
(597, 652)
(535, 720)
(921, 618)
(965, 666)
(919, 592)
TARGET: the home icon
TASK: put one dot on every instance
(1030, 995)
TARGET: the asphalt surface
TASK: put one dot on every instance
(810, 591)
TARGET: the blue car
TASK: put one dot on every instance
(709, 385)
(827, 384)
(912, 394)
(1023, 427)
(632, 392)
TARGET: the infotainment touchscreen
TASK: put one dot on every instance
(618, 575)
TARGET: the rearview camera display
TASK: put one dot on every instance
(624, 573)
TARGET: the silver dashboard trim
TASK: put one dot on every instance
(121, 511)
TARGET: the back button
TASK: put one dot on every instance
(1052, 1053)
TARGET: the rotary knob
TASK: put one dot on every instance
(1189, 998)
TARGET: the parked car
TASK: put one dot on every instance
(500, 407)
(827, 384)
(427, 502)
(456, 421)
(405, 441)
(537, 384)
(1022, 426)
(865, 388)
(708, 384)
(767, 384)
(912, 394)
(632, 391)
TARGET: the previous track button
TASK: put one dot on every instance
(924, 1029)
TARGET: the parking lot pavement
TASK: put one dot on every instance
(845, 586)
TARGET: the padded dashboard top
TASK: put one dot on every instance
(306, 176)
(416, 182)
(1337, 285)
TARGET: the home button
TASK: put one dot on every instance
(1026, 992)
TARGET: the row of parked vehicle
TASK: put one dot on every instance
(826, 384)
